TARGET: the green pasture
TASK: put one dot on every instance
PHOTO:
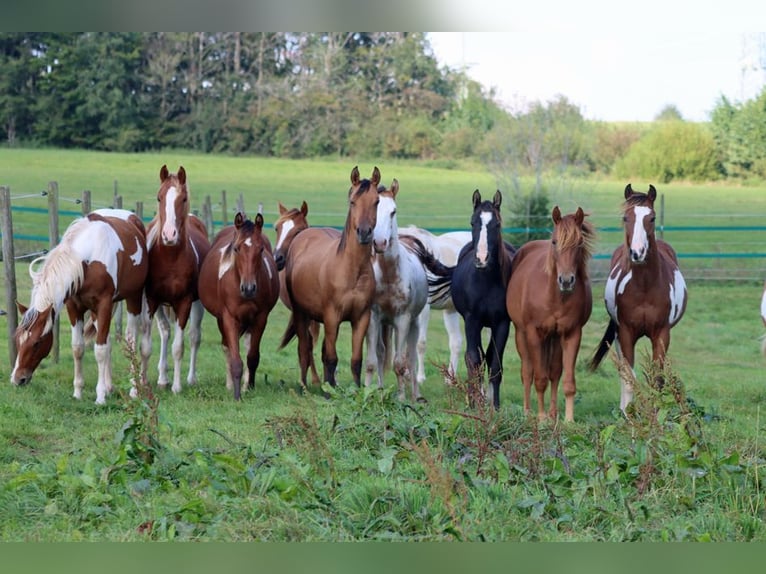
(288, 465)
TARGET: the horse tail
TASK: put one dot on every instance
(604, 345)
(290, 332)
(439, 275)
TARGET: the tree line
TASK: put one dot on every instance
(292, 95)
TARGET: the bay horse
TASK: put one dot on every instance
(645, 293)
(401, 293)
(330, 279)
(239, 286)
(101, 259)
(289, 223)
(446, 248)
(549, 300)
(177, 243)
(478, 288)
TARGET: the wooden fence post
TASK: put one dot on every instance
(140, 210)
(53, 240)
(241, 203)
(118, 202)
(9, 262)
(207, 216)
(85, 201)
(224, 208)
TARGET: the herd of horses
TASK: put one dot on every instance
(381, 279)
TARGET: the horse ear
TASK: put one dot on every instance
(21, 307)
(282, 208)
(304, 208)
(355, 176)
(239, 219)
(556, 214)
(579, 216)
(476, 198)
(181, 175)
(652, 192)
(497, 200)
(628, 191)
(258, 221)
(375, 180)
(164, 172)
(395, 187)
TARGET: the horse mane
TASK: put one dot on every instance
(364, 187)
(62, 272)
(570, 236)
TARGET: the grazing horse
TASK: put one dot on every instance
(330, 279)
(239, 286)
(401, 293)
(645, 293)
(445, 248)
(287, 226)
(549, 300)
(478, 287)
(101, 259)
(177, 243)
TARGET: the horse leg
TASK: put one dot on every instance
(373, 340)
(254, 347)
(526, 366)
(358, 330)
(182, 312)
(314, 334)
(660, 344)
(401, 336)
(625, 348)
(135, 337)
(78, 350)
(455, 336)
(163, 326)
(305, 352)
(474, 357)
(103, 351)
(570, 347)
(539, 368)
(412, 345)
(423, 318)
(555, 369)
(195, 338)
(495, 351)
(234, 359)
(246, 339)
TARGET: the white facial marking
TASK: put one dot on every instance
(482, 248)
(677, 295)
(249, 242)
(383, 224)
(286, 228)
(640, 242)
(171, 226)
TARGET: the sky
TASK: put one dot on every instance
(624, 72)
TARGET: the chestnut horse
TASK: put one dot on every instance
(645, 293)
(239, 286)
(549, 300)
(289, 223)
(177, 243)
(330, 279)
(445, 247)
(401, 293)
(101, 260)
(478, 289)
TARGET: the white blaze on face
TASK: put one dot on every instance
(640, 242)
(383, 223)
(170, 227)
(677, 295)
(482, 248)
(286, 228)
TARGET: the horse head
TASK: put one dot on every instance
(363, 206)
(639, 221)
(173, 205)
(486, 228)
(248, 247)
(34, 339)
(386, 226)
(288, 225)
(571, 246)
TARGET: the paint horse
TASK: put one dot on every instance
(549, 300)
(239, 286)
(446, 248)
(478, 288)
(177, 243)
(289, 223)
(330, 279)
(401, 293)
(645, 293)
(101, 260)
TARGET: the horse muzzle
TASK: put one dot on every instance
(248, 290)
(21, 377)
(380, 246)
(279, 259)
(480, 263)
(364, 236)
(566, 283)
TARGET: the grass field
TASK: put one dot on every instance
(281, 465)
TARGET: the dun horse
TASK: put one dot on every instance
(239, 286)
(478, 289)
(445, 248)
(330, 279)
(549, 300)
(401, 293)
(645, 293)
(289, 224)
(177, 243)
(101, 259)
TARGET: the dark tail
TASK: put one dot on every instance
(439, 275)
(604, 345)
(290, 332)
